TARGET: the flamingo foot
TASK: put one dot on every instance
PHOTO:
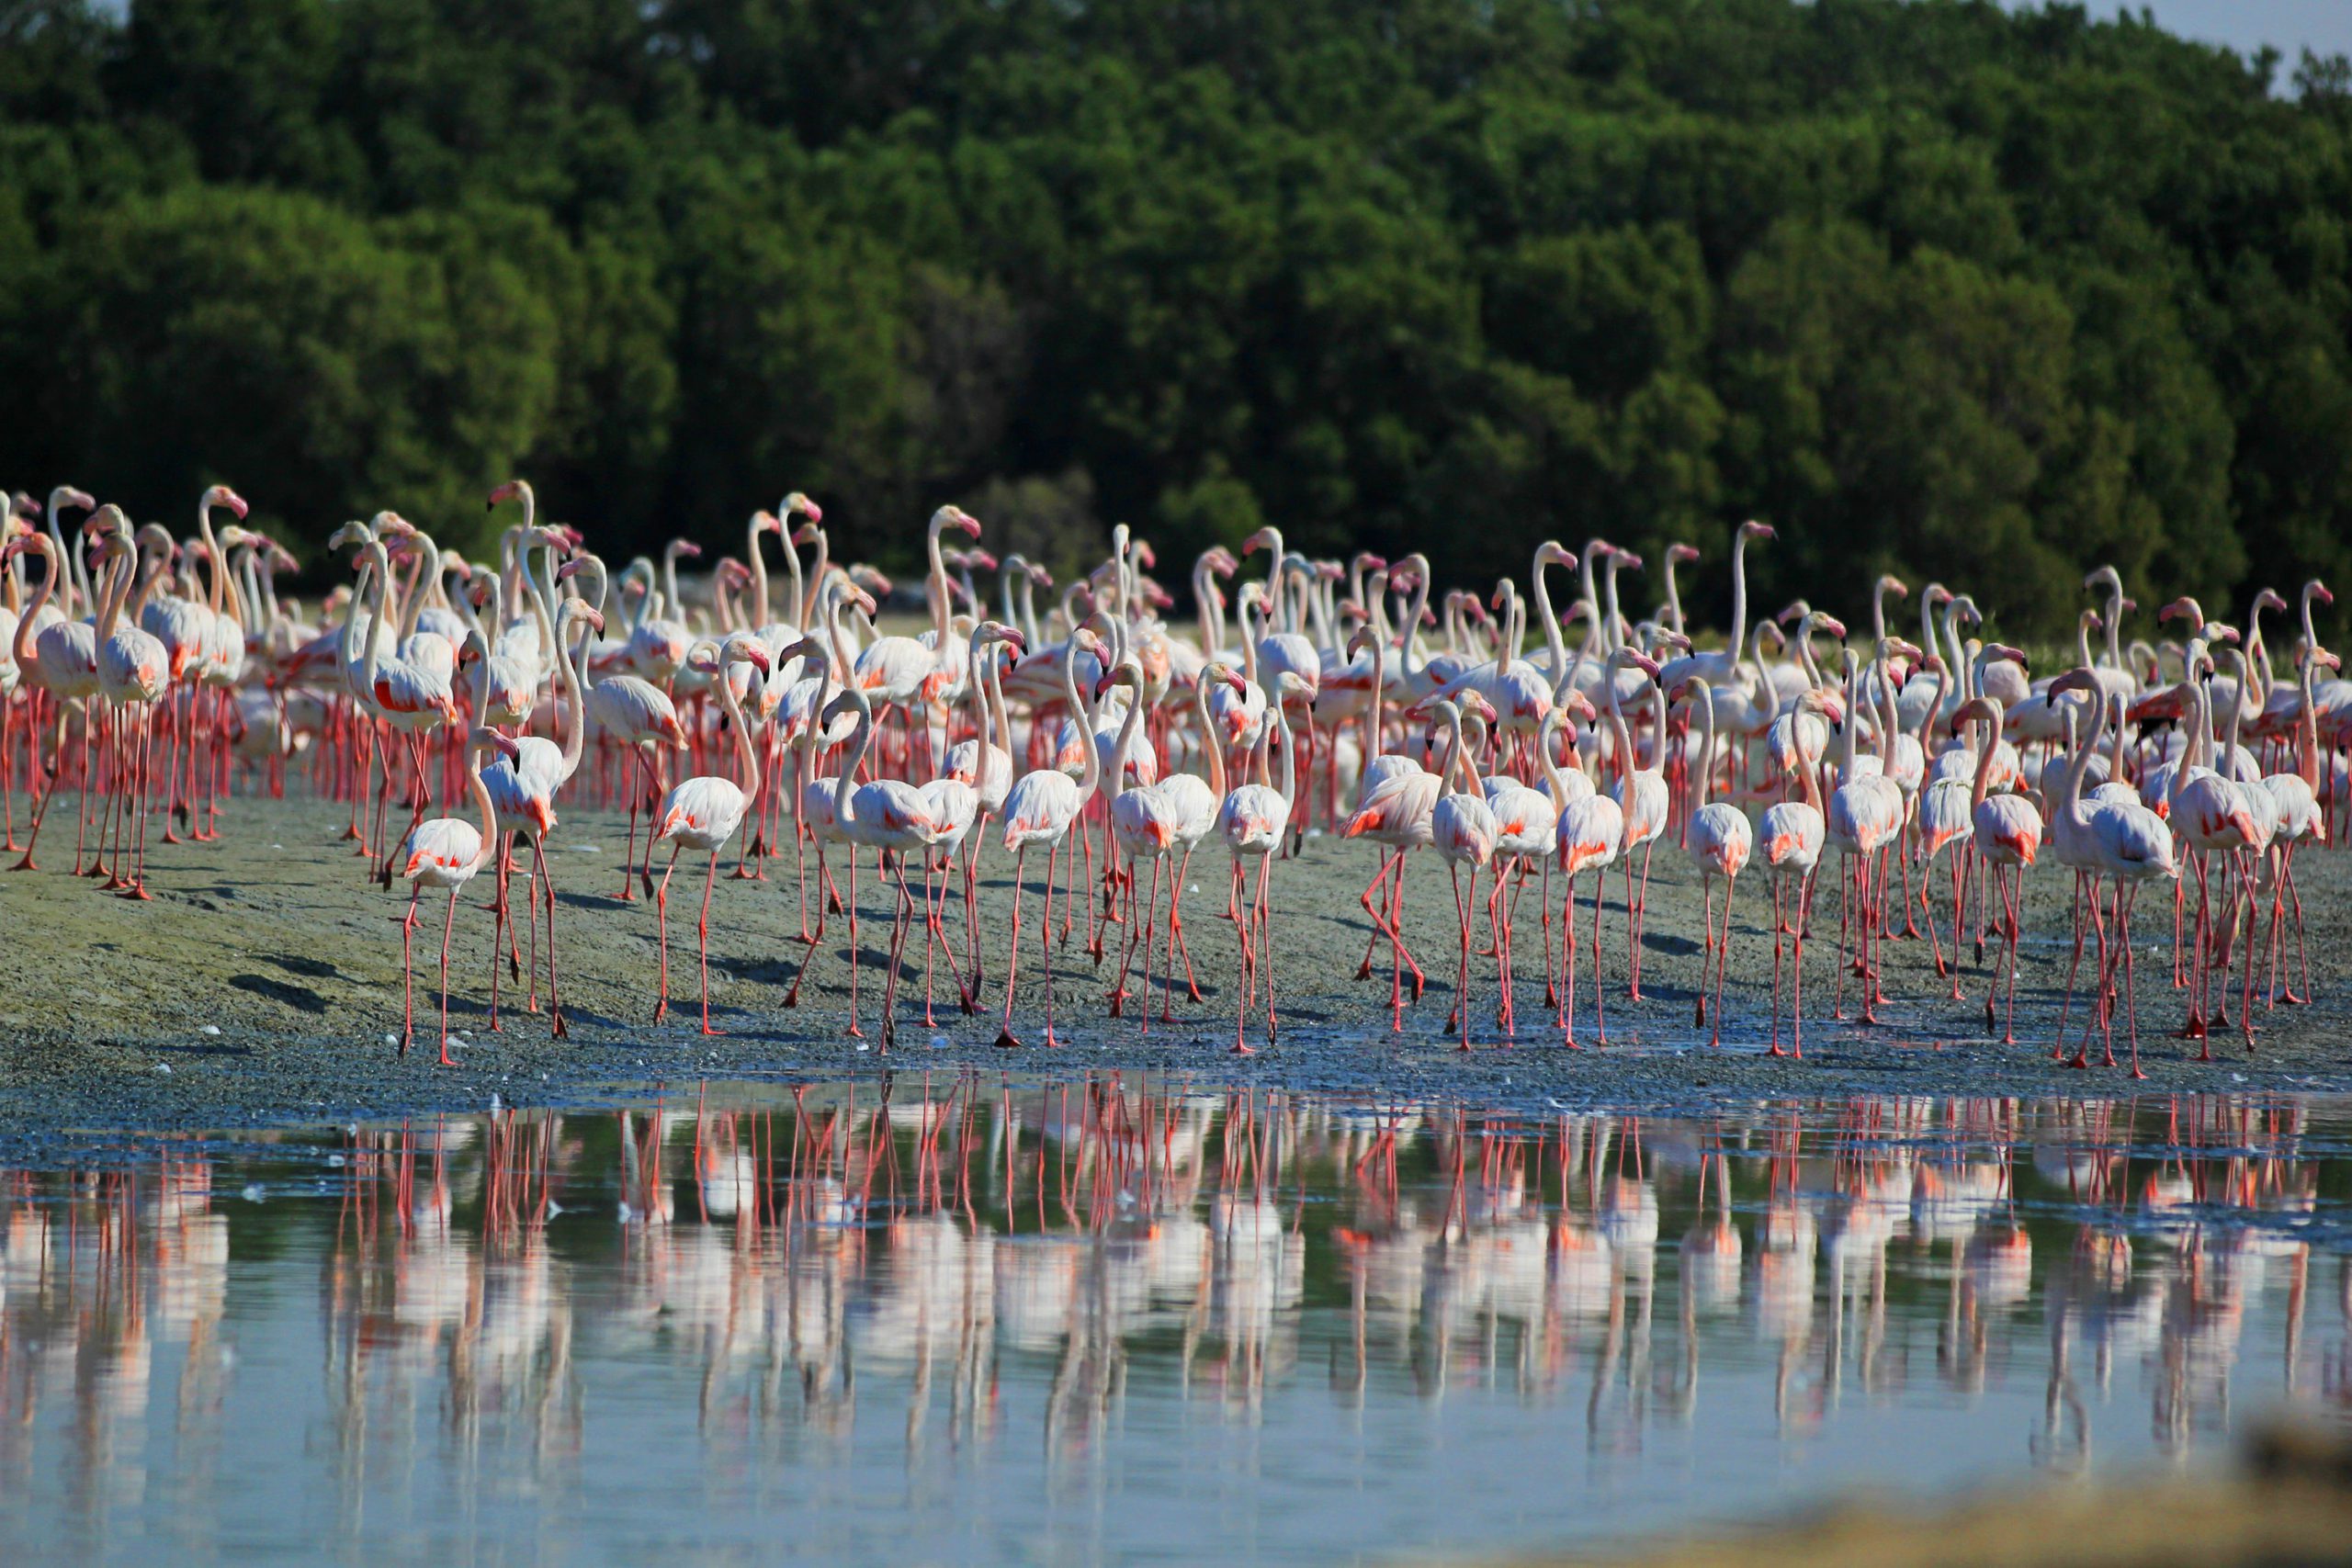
(1007, 1041)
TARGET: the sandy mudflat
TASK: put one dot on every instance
(275, 939)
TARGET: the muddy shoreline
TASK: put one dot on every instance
(259, 983)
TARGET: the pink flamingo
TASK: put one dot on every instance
(1865, 814)
(906, 672)
(1395, 796)
(1587, 835)
(133, 670)
(1462, 830)
(1641, 796)
(1719, 844)
(1143, 827)
(446, 852)
(524, 792)
(1252, 822)
(2123, 841)
(702, 814)
(1791, 833)
(2007, 838)
(1040, 809)
(642, 719)
(58, 657)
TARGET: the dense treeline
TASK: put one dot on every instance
(1934, 285)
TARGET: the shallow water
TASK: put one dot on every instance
(981, 1321)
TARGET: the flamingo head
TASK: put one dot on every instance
(1473, 705)
(581, 610)
(1625, 557)
(766, 522)
(1754, 530)
(2183, 607)
(2107, 574)
(1831, 625)
(864, 601)
(954, 516)
(872, 582)
(800, 503)
(1146, 557)
(745, 648)
(73, 495)
(2325, 659)
(1680, 554)
(1227, 674)
(1793, 611)
(685, 547)
(806, 533)
(1633, 658)
(2268, 599)
(2318, 591)
(510, 490)
(1263, 539)
(221, 495)
(1889, 583)
(2079, 679)
(490, 739)
(1577, 704)
(1662, 637)
(979, 559)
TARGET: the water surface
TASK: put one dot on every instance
(973, 1320)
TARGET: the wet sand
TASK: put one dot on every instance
(261, 981)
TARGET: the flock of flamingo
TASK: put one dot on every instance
(154, 673)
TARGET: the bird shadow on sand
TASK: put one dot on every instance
(309, 968)
(300, 998)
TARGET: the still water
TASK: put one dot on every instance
(982, 1321)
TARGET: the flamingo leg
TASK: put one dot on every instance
(1005, 1036)
(543, 886)
(448, 923)
(662, 911)
(1723, 954)
(702, 933)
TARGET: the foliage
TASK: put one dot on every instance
(1935, 286)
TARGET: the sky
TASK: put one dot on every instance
(2246, 24)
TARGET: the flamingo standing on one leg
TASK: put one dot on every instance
(1864, 815)
(133, 672)
(1588, 834)
(702, 813)
(983, 763)
(446, 852)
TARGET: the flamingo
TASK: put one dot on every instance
(908, 672)
(1587, 834)
(1144, 824)
(982, 763)
(1790, 834)
(642, 717)
(1395, 796)
(2209, 814)
(2123, 841)
(1462, 830)
(892, 817)
(59, 657)
(1039, 810)
(1641, 796)
(702, 814)
(1254, 820)
(1865, 814)
(2008, 837)
(1719, 842)
(445, 853)
(524, 792)
(2301, 816)
(133, 670)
